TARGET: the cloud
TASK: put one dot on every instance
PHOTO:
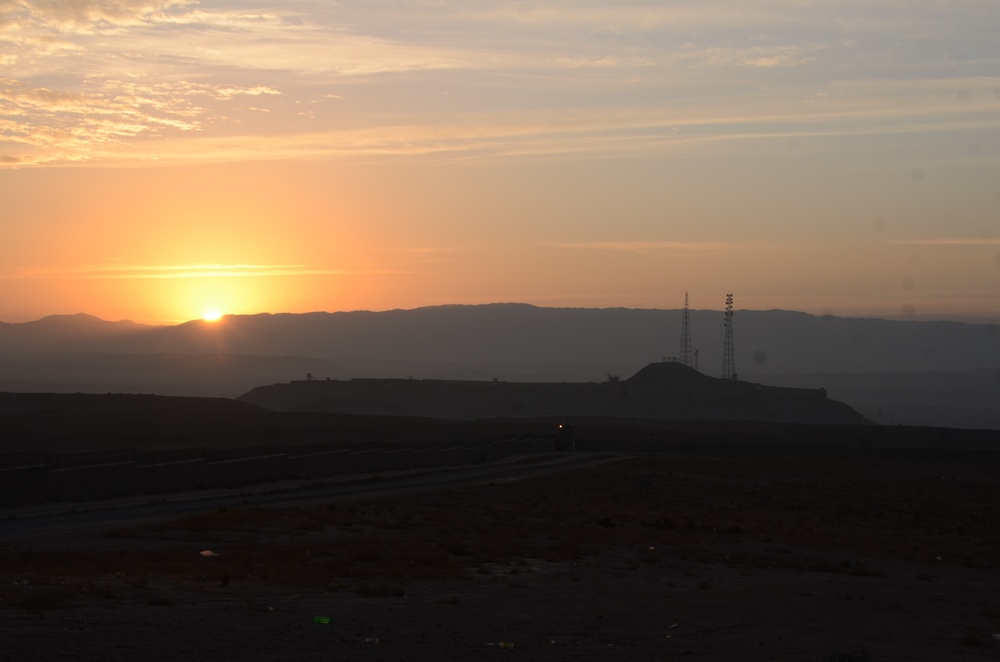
(86, 16)
(659, 247)
(168, 81)
(626, 131)
(691, 248)
(788, 55)
(984, 241)
(64, 125)
(146, 272)
(431, 250)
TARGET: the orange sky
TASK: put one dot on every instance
(159, 159)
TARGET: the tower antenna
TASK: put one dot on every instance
(728, 358)
(686, 335)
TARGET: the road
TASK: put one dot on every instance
(81, 524)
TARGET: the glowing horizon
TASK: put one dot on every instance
(161, 158)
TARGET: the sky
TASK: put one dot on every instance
(160, 159)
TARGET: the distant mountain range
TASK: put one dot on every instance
(773, 341)
(519, 342)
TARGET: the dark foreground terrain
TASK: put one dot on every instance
(629, 557)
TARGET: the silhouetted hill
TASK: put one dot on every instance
(67, 333)
(206, 375)
(512, 342)
(660, 390)
(767, 342)
(968, 399)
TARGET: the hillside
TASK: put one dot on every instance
(660, 390)
(944, 374)
(611, 339)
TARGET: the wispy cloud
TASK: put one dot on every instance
(680, 248)
(121, 80)
(65, 125)
(787, 55)
(658, 247)
(437, 250)
(945, 241)
(504, 134)
(87, 15)
(144, 272)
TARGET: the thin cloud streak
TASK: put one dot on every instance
(985, 241)
(505, 134)
(436, 250)
(298, 52)
(673, 247)
(374, 134)
(145, 272)
(712, 247)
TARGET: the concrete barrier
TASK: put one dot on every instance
(123, 472)
(92, 458)
(92, 482)
(15, 459)
(173, 476)
(319, 465)
(246, 471)
(23, 485)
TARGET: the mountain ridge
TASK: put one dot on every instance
(666, 390)
(930, 373)
(771, 341)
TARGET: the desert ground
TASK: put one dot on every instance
(627, 557)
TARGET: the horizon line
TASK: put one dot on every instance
(965, 318)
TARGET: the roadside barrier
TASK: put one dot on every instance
(37, 476)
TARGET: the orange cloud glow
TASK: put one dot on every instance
(162, 158)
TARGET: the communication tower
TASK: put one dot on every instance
(728, 359)
(686, 336)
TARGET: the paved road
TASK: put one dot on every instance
(71, 525)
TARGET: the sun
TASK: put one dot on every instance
(212, 315)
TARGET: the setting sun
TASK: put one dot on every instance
(224, 178)
(212, 315)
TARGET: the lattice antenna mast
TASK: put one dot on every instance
(686, 336)
(728, 358)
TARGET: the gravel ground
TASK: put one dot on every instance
(647, 558)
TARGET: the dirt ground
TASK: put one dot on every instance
(653, 557)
